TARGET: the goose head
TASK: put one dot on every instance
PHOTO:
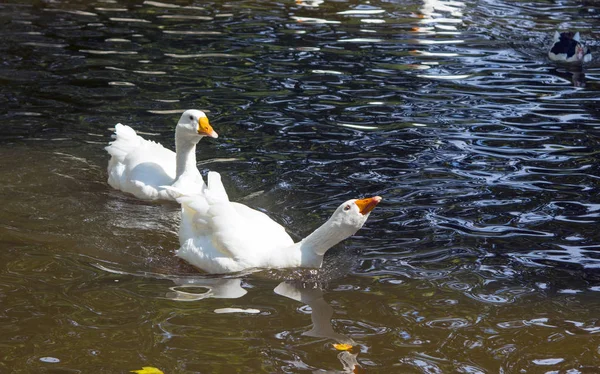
(349, 217)
(194, 125)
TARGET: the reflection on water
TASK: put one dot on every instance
(484, 257)
(196, 288)
(320, 315)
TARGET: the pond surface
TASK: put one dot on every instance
(484, 256)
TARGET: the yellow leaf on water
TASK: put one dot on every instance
(147, 370)
(342, 347)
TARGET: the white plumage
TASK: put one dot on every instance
(139, 166)
(219, 236)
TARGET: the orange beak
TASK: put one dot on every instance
(366, 205)
(204, 128)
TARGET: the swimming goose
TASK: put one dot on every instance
(219, 236)
(567, 47)
(139, 167)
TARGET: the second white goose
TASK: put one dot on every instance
(139, 166)
(219, 236)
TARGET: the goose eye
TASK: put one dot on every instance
(191, 118)
(347, 208)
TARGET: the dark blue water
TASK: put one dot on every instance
(482, 258)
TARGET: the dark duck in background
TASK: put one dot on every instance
(568, 48)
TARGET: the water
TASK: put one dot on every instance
(482, 258)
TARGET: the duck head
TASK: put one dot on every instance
(567, 47)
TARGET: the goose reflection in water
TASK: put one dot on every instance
(321, 313)
(305, 292)
(574, 74)
(218, 288)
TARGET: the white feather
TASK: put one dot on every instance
(140, 167)
(219, 236)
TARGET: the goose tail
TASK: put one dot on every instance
(126, 140)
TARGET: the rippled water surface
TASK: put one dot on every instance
(483, 257)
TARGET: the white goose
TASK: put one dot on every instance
(139, 167)
(219, 236)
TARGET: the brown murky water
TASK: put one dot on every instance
(483, 257)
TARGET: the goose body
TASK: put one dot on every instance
(567, 47)
(219, 236)
(140, 167)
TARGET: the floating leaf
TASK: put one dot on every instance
(342, 347)
(147, 370)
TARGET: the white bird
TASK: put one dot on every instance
(567, 47)
(219, 236)
(140, 167)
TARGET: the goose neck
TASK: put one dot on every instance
(320, 240)
(185, 149)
